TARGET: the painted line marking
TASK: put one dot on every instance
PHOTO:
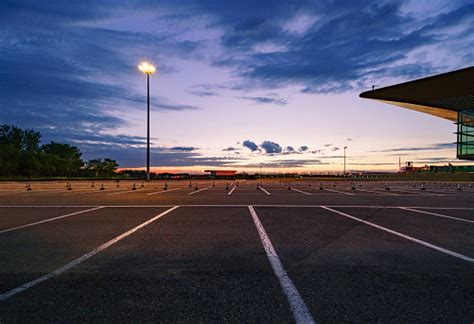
(438, 215)
(128, 191)
(94, 191)
(410, 238)
(195, 192)
(162, 191)
(377, 192)
(231, 191)
(301, 191)
(83, 258)
(298, 307)
(263, 189)
(416, 193)
(420, 192)
(340, 192)
(49, 220)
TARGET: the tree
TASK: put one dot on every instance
(22, 155)
(103, 168)
(63, 159)
(19, 151)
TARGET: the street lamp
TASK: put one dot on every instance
(148, 69)
(345, 148)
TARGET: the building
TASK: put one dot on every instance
(221, 173)
(449, 96)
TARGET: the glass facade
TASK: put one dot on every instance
(465, 142)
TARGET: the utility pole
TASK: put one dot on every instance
(345, 147)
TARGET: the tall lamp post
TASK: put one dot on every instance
(148, 69)
(345, 148)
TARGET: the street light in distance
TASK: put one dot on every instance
(148, 69)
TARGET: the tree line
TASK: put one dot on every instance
(23, 155)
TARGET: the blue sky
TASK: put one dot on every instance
(238, 83)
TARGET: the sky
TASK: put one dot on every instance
(239, 84)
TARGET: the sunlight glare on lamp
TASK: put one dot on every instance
(147, 68)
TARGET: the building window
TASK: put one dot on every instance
(465, 142)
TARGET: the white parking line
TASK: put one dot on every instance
(416, 193)
(378, 192)
(261, 188)
(301, 191)
(83, 258)
(129, 191)
(195, 192)
(49, 220)
(410, 238)
(340, 192)
(93, 191)
(231, 191)
(438, 215)
(162, 191)
(298, 306)
(421, 192)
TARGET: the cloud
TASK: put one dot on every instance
(293, 163)
(335, 149)
(346, 46)
(266, 100)
(183, 148)
(303, 148)
(72, 78)
(229, 149)
(432, 147)
(250, 145)
(271, 147)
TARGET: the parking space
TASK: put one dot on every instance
(352, 272)
(29, 253)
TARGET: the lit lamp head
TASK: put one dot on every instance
(146, 68)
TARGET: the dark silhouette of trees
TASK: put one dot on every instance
(22, 155)
(101, 168)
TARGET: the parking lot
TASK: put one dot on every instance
(237, 251)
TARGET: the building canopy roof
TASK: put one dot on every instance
(441, 95)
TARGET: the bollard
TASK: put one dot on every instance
(69, 187)
(190, 184)
(166, 186)
(102, 187)
(227, 186)
(142, 185)
(134, 187)
(196, 187)
(422, 187)
(353, 187)
(92, 185)
(118, 184)
(459, 188)
(387, 187)
(213, 184)
(258, 186)
(321, 186)
(28, 187)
